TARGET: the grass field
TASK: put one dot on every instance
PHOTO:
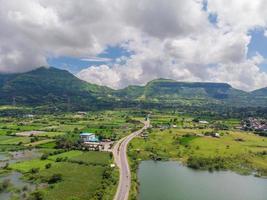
(99, 158)
(78, 181)
(45, 141)
(69, 154)
(26, 166)
(13, 140)
(85, 175)
(235, 147)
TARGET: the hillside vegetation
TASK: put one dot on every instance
(61, 89)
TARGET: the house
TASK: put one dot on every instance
(203, 122)
(89, 137)
(217, 135)
(82, 113)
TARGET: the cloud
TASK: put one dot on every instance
(245, 75)
(239, 15)
(96, 59)
(169, 39)
(163, 19)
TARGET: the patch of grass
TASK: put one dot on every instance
(13, 140)
(47, 145)
(69, 154)
(78, 181)
(186, 140)
(51, 134)
(33, 144)
(26, 166)
(93, 157)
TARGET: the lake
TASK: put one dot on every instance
(172, 181)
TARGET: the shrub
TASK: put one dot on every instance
(44, 156)
(34, 170)
(48, 165)
(37, 195)
(55, 178)
(4, 185)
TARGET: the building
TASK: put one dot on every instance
(82, 113)
(203, 122)
(217, 135)
(89, 137)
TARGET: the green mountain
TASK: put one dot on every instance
(260, 92)
(49, 86)
(259, 97)
(166, 90)
(61, 89)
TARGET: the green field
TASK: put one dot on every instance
(84, 175)
(13, 140)
(79, 181)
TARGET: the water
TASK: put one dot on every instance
(15, 177)
(3, 157)
(172, 181)
(16, 181)
(17, 156)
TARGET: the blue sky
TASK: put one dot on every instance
(258, 44)
(77, 64)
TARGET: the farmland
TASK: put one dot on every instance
(61, 172)
(52, 162)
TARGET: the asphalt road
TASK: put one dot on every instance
(120, 156)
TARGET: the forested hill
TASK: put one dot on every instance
(51, 86)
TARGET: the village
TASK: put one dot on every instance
(254, 124)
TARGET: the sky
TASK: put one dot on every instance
(123, 42)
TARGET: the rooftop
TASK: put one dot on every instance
(86, 134)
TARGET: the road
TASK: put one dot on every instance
(121, 160)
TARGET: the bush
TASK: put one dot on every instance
(37, 195)
(34, 170)
(4, 185)
(55, 178)
(48, 165)
(217, 163)
(44, 156)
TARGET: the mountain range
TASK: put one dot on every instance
(52, 86)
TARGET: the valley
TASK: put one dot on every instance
(88, 141)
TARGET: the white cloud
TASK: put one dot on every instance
(245, 75)
(169, 39)
(96, 59)
(239, 14)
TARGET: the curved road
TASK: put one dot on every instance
(120, 156)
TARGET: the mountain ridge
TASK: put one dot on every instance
(51, 85)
